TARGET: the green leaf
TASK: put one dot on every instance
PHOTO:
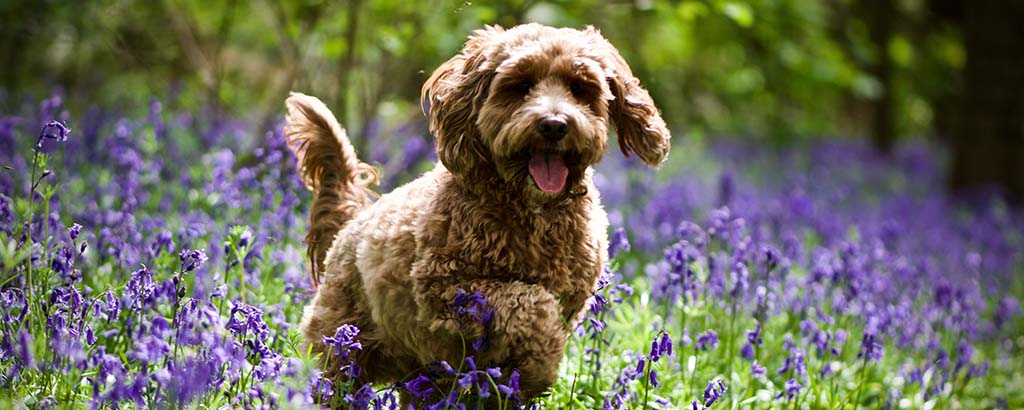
(901, 51)
(740, 13)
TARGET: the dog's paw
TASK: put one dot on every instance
(523, 312)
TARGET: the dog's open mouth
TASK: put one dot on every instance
(548, 170)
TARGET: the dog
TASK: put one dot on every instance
(510, 211)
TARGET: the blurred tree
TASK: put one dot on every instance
(880, 15)
(775, 70)
(988, 145)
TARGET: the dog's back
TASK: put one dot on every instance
(329, 167)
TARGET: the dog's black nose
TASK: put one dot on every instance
(553, 128)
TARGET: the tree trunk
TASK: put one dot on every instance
(988, 148)
(880, 15)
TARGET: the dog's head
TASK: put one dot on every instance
(533, 104)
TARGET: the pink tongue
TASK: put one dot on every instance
(549, 172)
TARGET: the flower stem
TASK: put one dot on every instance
(28, 226)
(860, 384)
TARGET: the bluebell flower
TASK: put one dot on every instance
(1008, 308)
(420, 387)
(757, 370)
(471, 306)
(74, 231)
(793, 388)
(665, 344)
(511, 387)
(361, 398)
(24, 347)
(247, 319)
(707, 340)
(770, 258)
(192, 259)
(978, 370)
(53, 130)
(754, 336)
(714, 391)
(618, 243)
(871, 348)
(794, 362)
(450, 402)
(150, 349)
(321, 386)
(140, 288)
(964, 354)
(747, 352)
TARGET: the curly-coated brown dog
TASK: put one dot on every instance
(519, 115)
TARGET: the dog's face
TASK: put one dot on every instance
(534, 103)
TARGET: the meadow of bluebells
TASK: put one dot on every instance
(154, 259)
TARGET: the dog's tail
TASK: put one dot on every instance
(329, 167)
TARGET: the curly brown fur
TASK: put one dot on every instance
(519, 115)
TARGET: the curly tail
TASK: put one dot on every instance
(329, 167)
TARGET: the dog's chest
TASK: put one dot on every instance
(557, 252)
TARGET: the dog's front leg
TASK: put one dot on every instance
(526, 331)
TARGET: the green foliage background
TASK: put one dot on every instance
(774, 69)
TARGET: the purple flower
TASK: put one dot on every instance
(110, 306)
(479, 380)
(140, 288)
(707, 340)
(247, 319)
(792, 389)
(978, 370)
(754, 340)
(740, 280)
(469, 309)
(747, 352)
(713, 392)
(619, 394)
(322, 387)
(53, 130)
(421, 387)
(510, 388)
(871, 348)
(191, 259)
(245, 238)
(618, 243)
(24, 347)
(74, 231)
(770, 258)
(677, 280)
(794, 362)
(665, 345)
(661, 345)
(1008, 308)
(757, 370)
(450, 402)
(149, 349)
(471, 306)
(361, 398)
(964, 354)
(754, 336)
(6, 213)
(344, 343)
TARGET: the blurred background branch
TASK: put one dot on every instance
(775, 71)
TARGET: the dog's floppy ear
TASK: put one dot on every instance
(637, 122)
(451, 98)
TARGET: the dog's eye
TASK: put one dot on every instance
(523, 86)
(578, 89)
